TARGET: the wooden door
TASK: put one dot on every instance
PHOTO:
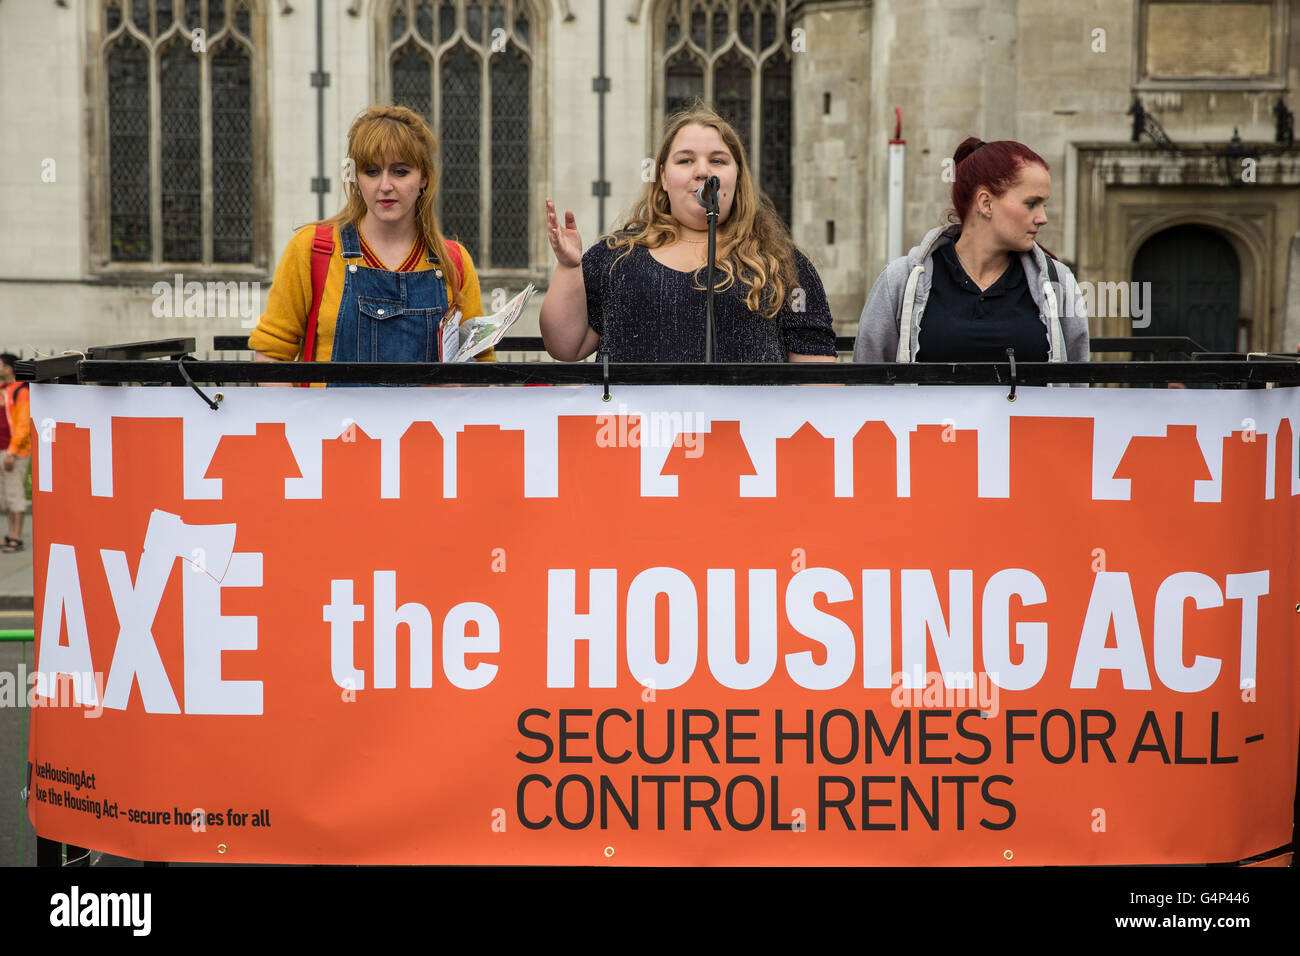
(1195, 286)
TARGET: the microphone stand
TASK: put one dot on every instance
(711, 214)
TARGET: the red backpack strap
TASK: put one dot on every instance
(457, 256)
(322, 249)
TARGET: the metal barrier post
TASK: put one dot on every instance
(23, 637)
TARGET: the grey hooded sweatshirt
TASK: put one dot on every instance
(1061, 308)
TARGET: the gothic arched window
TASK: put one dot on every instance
(735, 55)
(177, 184)
(468, 67)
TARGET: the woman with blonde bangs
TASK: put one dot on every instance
(391, 275)
(639, 293)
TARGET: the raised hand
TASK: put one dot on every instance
(565, 241)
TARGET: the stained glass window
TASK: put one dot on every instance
(746, 27)
(474, 20)
(412, 85)
(732, 94)
(775, 173)
(423, 20)
(718, 35)
(769, 25)
(461, 119)
(128, 150)
(747, 81)
(699, 24)
(232, 154)
(166, 201)
(181, 176)
(683, 82)
(477, 96)
(510, 160)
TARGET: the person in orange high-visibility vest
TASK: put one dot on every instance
(17, 454)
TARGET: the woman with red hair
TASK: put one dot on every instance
(981, 283)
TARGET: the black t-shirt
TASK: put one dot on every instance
(961, 323)
(645, 311)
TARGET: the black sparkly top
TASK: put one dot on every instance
(648, 312)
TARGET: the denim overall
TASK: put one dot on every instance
(387, 316)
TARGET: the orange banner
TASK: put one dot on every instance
(702, 626)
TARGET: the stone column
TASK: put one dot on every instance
(829, 147)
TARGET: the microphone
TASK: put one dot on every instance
(709, 190)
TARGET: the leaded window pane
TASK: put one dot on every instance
(746, 27)
(474, 21)
(412, 81)
(182, 226)
(718, 35)
(699, 27)
(397, 26)
(467, 204)
(683, 82)
(510, 91)
(768, 26)
(777, 121)
(190, 208)
(232, 154)
(732, 93)
(757, 26)
(460, 190)
(446, 20)
(128, 152)
(423, 20)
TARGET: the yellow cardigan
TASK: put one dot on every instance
(283, 325)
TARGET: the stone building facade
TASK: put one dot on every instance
(140, 157)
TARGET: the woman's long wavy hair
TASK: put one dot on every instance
(385, 134)
(754, 246)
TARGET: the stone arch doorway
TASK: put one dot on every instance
(1195, 277)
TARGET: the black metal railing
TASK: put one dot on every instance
(168, 362)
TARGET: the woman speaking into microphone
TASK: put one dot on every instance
(640, 292)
